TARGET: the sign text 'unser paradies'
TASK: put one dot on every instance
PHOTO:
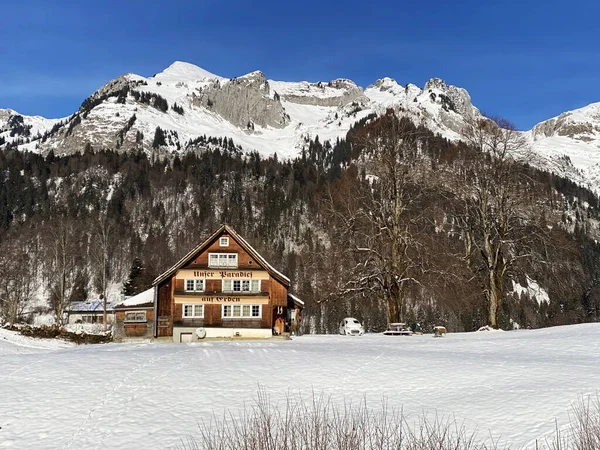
(211, 274)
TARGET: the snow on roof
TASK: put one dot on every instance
(295, 299)
(139, 299)
(90, 306)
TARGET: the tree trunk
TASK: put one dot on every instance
(12, 312)
(104, 314)
(393, 308)
(495, 299)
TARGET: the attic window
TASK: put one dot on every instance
(224, 242)
(222, 260)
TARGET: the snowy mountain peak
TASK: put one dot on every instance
(187, 102)
(582, 124)
(183, 71)
(452, 97)
(570, 143)
(435, 83)
(385, 84)
(18, 129)
(6, 112)
(253, 75)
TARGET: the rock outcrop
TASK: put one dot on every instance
(568, 125)
(320, 94)
(244, 102)
(459, 98)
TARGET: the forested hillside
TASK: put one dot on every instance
(392, 223)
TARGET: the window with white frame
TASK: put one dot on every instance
(242, 311)
(222, 260)
(224, 242)
(241, 286)
(193, 311)
(135, 316)
(194, 285)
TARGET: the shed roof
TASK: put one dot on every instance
(96, 305)
(139, 299)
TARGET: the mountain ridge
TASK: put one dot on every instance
(186, 102)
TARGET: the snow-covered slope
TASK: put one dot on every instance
(18, 128)
(12, 343)
(189, 103)
(182, 71)
(571, 144)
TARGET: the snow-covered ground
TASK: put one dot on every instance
(149, 395)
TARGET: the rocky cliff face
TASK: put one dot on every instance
(455, 98)
(336, 93)
(570, 145)
(244, 102)
(441, 107)
(581, 124)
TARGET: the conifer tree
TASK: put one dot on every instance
(138, 280)
(159, 138)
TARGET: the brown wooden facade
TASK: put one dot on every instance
(222, 288)
(134, 322)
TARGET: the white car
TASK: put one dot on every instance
(351, 327)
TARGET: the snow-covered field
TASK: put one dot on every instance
(130, 396)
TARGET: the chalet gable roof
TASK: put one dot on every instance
(241, 242)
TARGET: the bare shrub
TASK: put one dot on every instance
(585, 424)
(581, 433)
(319, 424)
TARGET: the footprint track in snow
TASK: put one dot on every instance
(106, 398)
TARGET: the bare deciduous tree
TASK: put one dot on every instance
(17, 280)
(61, 266)
(100, 236)
(493, 225)
(379, 216)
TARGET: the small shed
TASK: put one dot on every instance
(135, 316)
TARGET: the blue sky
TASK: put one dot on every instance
(524, 60)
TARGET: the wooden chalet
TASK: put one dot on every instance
(223, 288)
